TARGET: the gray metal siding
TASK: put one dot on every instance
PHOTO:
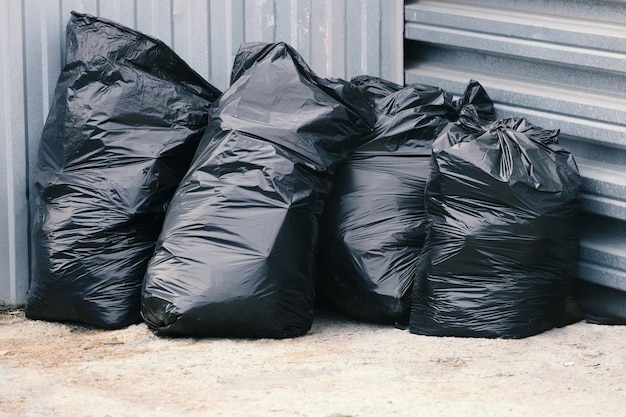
(338, 38)
(561, 64)
(13, 164)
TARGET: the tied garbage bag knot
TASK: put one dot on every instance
(502, 201)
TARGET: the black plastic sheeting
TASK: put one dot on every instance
(500, 254)
(374, 223)
(125, 121)
(237, 253)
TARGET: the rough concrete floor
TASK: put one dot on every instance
(340, 368)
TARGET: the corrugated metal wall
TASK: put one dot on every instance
(338, 38)
(561, 64)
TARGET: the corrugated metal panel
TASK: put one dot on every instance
(13, 187)
(561, 64)
(338, 38)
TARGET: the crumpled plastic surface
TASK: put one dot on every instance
(500, 253)
(373, 226)
(237, 253)
(124, 124)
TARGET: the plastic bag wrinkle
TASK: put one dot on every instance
(236, 255)
(374, 222)
(126, 117)
(502, 242)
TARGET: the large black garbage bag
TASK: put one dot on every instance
(237, 253)
(373, 225)
(124, 124)
(500, 253)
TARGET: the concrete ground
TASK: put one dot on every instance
(340, 368)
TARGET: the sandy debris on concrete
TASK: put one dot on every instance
(341, 368)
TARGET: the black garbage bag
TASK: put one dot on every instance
(373, 226)
(237, 253)
(124, 124)
(500, 254)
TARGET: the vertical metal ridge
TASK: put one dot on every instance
(209, 56)
(28, 168)
(61, 32)
(13, 209)
(135, 13)
(171, 20)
